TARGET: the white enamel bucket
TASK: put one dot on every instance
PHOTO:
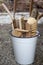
(24, 49)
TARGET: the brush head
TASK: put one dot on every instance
(31, 20)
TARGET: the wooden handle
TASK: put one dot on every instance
(40, 15)
(14, 6)
(31, 6)
(20, 26)
(21, 30)
(5, 7)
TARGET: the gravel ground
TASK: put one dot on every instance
(6, 49)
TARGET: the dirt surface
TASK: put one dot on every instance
(6, 49)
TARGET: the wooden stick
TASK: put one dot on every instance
(20, 24)
(39, 16)
(21, 30)
(14, 21)
(14, 6)
(5, 7)
(31, 6)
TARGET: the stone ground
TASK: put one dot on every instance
(6, 48)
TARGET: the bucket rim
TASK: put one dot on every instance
(37, 34)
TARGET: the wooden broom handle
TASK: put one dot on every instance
(31, 6)
(21, 30)
(5, 7)
(14, 6)
(14, 14)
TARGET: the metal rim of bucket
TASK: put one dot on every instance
(37, 34)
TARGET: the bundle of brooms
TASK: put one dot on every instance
(22, 27)
(26, 28)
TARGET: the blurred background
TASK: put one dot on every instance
(21, 5)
